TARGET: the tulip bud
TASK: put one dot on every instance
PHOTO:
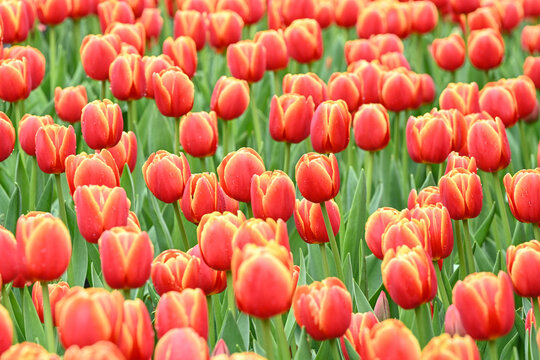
(56, 293)
(488, 144)
(309, 221)
(376, 341)
(348, 87)
(484, 18)
(181, 343)
(290, 117)
(93, 169)
(127, 77)
(398, 90)
(230, 98)
(429, 138)
(261, 233)
(522, 261)
(6, 330)
(531, 68)
(125, 152)
(323, 308)
(173, 92)
(86, 316)
(376, 226)
(102, 124)
(500, 102)
(199, 134)
(521, 191)
(100, 208)
(54, 143)
(408, 232)
(440, 233)
(482, 42)
(151, 65)
(17, 82)
(330, 127)
(304, 40)
(360, 49)
(16, 23)
(153, 22)
(165, 175)
(446, 345)
(293, 10)
(28, 127)
(101, 350)
(69, 102)
(246, 60)
(317, 177)
(183, 53)
(346, 12)
(427, 196)
(215, 234)
(307, 85)
(110, 12)
(460, 96)
(424, 16)
(382, 307)
(276, 52)
(530, 39)
(190, 23)
(324, 13)
(53, 12)
(35, 62)
(97, 54)
(455, 161)
(531, 8)
(182, 309)
(224, 28)
(81, 8)
(461, 194)
(361, 323)
(394, 60)
(485, 303)
(9, 259)
(272, 195)
(449, 52)
(137, 336)
(371, 127)
(7, 134)
(131, 34)
(371, 21)
(28, 350)
(522, 89)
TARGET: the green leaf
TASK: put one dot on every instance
(22, 181)
(480, 234)
(304, 349)
(164, 235)
(126, 181)
(351, 351)
(355, 222)
(482, 259)
(506, 351)
(325, 351)
(243, 326)
(362, 304)
(32, 325)
(47, 196)
(14, 210)
(231, 334)
(96, 280)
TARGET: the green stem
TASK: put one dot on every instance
(47, 318)
(267, 338)
(283, 344)
(52, 58)
(231, 304)
(493, 353)
(60, 195)
(180, 227)
(423, 323)
(17, 108)
(326, 268)
(225, 137)
(76, 39)
(428, 170)
(126, 293)
(249, 211)
(502, 211)
(33, 184)
(536, 310)
(363, 269)
(209, 164)
(176, 139)
(287, 158)
(277, 85)
(536, 231)
(524, 144)
(255, 119)
(211, 330)
(131, 115)
(335, 349)
(7, 304)
(333, 243)
(468, 246)
(103, 89)
(463, 268)
(369, 176)
(487, 192)
(202, 162)
(441, 288)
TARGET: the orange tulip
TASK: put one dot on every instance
(9, 259)
(429, 138)
(93, 169)
(199, 134)
(101, 350)
(137, 336)
(56, 293)
(224, 28)
(151, 65)
(452, 347)
(361, 323)
(173, 92)
(7, 133)
(377, 342)
(114, 11)
(317, 177)
(181, 343)
(125, 152)
(16, 21)
(246, 60)
(35, 62)
(6, 330)
(273, 41)
(371, 127)
(69, 102)
(128, 81)
(482, 42)
(272, 195)
(54, 143)
(449, 52)
(307, 85)
(309, 221)
(304, 40)
(522, 261)
(17, 82)
(290, 117)
(460, 96)
(131, 34)
(461, 194)
(165, 175)
(97, 54)
(183, 52)
(230, 98)
(190, 23)
(28, 350)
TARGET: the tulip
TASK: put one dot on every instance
(137, 335)
(272, 195)
(174, 270)
(324, 13)
(391, 331)
(199, 134)
(449, 52)
(376, 226)
(100, 208)
(151, 65)
(215, 234)
(461, 194)
(317, 177)
(482, 42)
(127, 77)
(7, 133)
(361, 323)
(371, 21)
(56, 293)
(246, 60)
(224, 28)
(290, 117)
(239, 7)
(531, 8)
(398, 90)
(304, 40)
(522, 88)
(180, 344)
(426, 197)
(530, 38)
(28, 127)
(94, 169)
(125, 152)
(484, 18)
(488, 144)
(293, 10)
(86, 316)
(69, 102)
(81, 8)
(309, 221)
(360, 49)
(101, 124)
(97, 54)
(183, 52)
(323, 308)
(165, 175)
(6, 330)
(455, 161)
(9, 259)
(346, 13)
(54, 143)
(347, 87)
(452, 322)
(53, 12)
(511, 14)
(230, 98)
(427, 89)
(182, 309)
(101, 350)
(410, 233)
(273, 41)
(132, 34)
(424, 16)
(190, 23)
(371, 127)
(464, 6)
(521, 190)
(114, 11)
(429, 138)
(394, 60)
(17, 83)
(28, 350)
(16, 23)
(173, 92)
(35, 62)
(522, 261)
(307, 85)
(449, 346)
(440, 233)
(485, 303)
(531, 68)
(330, 127)
(499, 102)
(153, 22)
(460, 96)
(261, 233)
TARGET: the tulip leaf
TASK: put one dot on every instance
(429, 181)
(482, 259)
(16, 313)
(351, 351)
(32, 325)
(96, 280)
(126, 181)
(499, 263)
(78, 265)
(362, 304)
(480, 234)
(243, 325)
(376, 199)
(355, 222)
(22, 180)
(505, 353)
(231, 334)
(14, 209)
(325, 351)
(348, 273)
(519, 234)
(47, 195)
(164, 236)
(395, 193)
(352, 185)
(304, 349)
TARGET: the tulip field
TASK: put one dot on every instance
(269, 179)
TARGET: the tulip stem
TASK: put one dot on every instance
(176, 139)
(60, 196)
(76, 39)
(493, 353)
(103, 89)
(287, 158)
(369, 177)
(126, 293)
(423, 323)
(333, 243)
(225, 137)
(277, 87)
(47, 318)
(211, 330)
(326, 268)
(52, 58)
(441, 288)
(335, 349)
(180, 226)
(283, 344)
(463, 267)
(255, 119)
(33, 184)
(502, 211)
(536, 231)
(468, 246)
(524, 143)
(230, 294)
(536, 310)
(131, 115)
(267, 338)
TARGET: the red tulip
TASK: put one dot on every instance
(304, 40)
(102, 124)
(461, 194)
(398, 90)
(309, 221)
(346, 12)
(261, 232)
(153, 22)
(190, 23)
(272, 195)
(290, 117)
(165, 175)
(531, 68)
(348, 87)
(97, 54)
(449, 52)
(69, 102)
(426, 197)
(488, 144)
(28, 350)
(54, 143)
(101, 350)
(307, 85)
(56, 293)
(455, 161)
(360, 49)
(361, 323)
(16, 22)
(424, 16)
(53, 12)
(371, 127)
(371, 21)
(114, 11)
(183, 52)
(180, 344)
(440, 233)
(482, 42)
(460, 96)
(521, 190)
(273, 41)
(224, 28)
(17, 82)
(330, 127)
(7, 134)
(246, 60)
(446, 345)
(93, 169)
(230, 98)
(137, 335)
(173, 92)
(484, 18)
(125, 152)
(500, 102)
(35, 61)
(9, 259)
(376, 226)
(151, 65)
(377, 342)
(408, 232)
(317, 177)
(132, 34)
(293, 10)
(522, 261)
(6, 330)
(429, 138)
(128, 81)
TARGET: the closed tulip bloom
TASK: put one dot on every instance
(488, 144)
(440, 233)
(43, 245)
(371, 21)
(128, 81)
(183, 53)
(346, 12)
(330, 127)
(102, 124)
(424, 16)
(398, 90)
(452, 322)
(93, 169)
(522, 190)
(199, 134)
(6, 330)
(461, 194)
(165, 175)
(408, 232)
(56, 293)
(447, 346)
(323, 308)
(273, 41)
(392, 331)
(394, 60)
(464, 6)
(54, 143)
(290, 117)
(236, 171)
(317, 177)
(132, 34)
(530, 39)
(449, 52)
(482, 42)
(376, 225)
(179, 344)
(246, 60)
(360, 49)
(309, 221)
(484, 18)
(35, 62)
(15, 20)
(9, 259)
(324, 13)
(153, 22)
(523, 90)
(261, 232)
(190, 23)
(272, 195)
(69, 102)
(360, 323)
(304, 40)
(97, 54)
(28, 127)
(429, 138)
(307, 85)
(28, 350)
(531, 8)
(499, 102)
(17, 82)
(182, 309)
(101, 350)
(114, 11)
(224, 28)
(173, 92)
(137, 336)
(485, 303)
(7, 134)
(371, 127)
(53, 12)
(460, 96)
(100, 208)
(522, 262)
(151, 65)
(263, 279)
(81, 8)
(348, 87)
(230, 98)
(428, 196)
(456, 161)
(86, 316)
(291, 10)
(531, 68)
(215, 234)
(238, 6)
(126, 257)
(125, 152)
